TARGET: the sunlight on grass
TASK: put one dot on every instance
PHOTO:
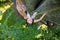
(3, 9)
(43, 27)
(9, 38)
(0, 23)
(10, 27)
(24, 26)
(39, 36)
(1, 17)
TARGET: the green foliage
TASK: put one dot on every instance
(2, 0)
